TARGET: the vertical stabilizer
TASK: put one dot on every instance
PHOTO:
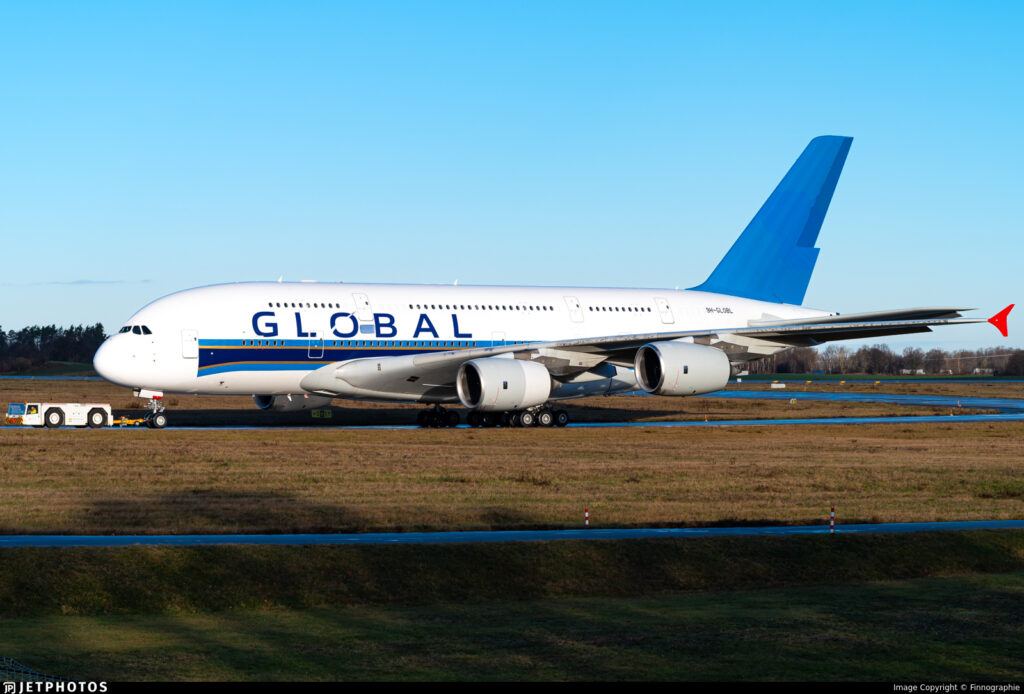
(774, 257)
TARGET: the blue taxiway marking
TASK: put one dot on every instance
(1001, 404)
(1010, 410)
(908, 419)
(485, 536)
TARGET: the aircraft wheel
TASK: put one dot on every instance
(97, 418)
(451, 418)
(561, 418)
(473, 419)
(158, 421)
(527, 419)
(54, 418)
(545, 418)
(421, 417)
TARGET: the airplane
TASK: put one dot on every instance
(507, 354)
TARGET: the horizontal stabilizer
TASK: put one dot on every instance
(896, 315)
(774, 257)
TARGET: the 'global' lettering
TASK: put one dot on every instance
(382, 322)
(269, 329)
(334, 326)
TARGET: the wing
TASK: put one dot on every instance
(431, 376)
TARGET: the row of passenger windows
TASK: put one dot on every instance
(630, 309)
(136, 329)
(315, 304)
(377, 343)
(463, 307)
(479, 307)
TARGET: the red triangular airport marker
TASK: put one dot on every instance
(999, 320)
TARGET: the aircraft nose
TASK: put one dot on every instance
(109, 361)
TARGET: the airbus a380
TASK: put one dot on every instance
(505, 353)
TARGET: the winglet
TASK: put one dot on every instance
(999, 320)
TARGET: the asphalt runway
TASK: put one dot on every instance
(1004, 405)
(486, 536)
(1010, 410)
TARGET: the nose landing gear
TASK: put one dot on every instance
(155, 418)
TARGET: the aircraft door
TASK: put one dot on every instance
(575, 310)
(190, 344)
(316, 341)
(363, 312)
(497, 339)
(316, 347)
(664, 309)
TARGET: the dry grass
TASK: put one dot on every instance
(958, 389)
(355, 480)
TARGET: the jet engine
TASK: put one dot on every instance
(681, 368)
(495, 384)
(290, 403)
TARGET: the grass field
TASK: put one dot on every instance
(934, 606)
(298, 480)
(959, 629)
(928, 607)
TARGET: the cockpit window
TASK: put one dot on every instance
(146, 331)
(136, 330)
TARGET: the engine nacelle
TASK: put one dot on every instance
(681, 368)
(496, 384)
(290, 403)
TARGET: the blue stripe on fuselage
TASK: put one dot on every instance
(221, 356)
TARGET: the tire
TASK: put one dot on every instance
(545, 418)
(97, 418)
(158, 421)
(452, 418)
(527, 419)
(54, 418)
(561, 418)
(473, 419)
(421, 418)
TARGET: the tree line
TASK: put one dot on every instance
(35, 345)
(881, 359)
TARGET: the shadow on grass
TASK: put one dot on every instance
(219, 511)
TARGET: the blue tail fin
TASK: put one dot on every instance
(774, 257)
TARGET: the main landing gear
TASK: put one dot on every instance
(543, 417)
(437, 418)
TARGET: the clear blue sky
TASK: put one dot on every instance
(148, 147)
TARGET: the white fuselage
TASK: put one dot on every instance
(264, 337)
